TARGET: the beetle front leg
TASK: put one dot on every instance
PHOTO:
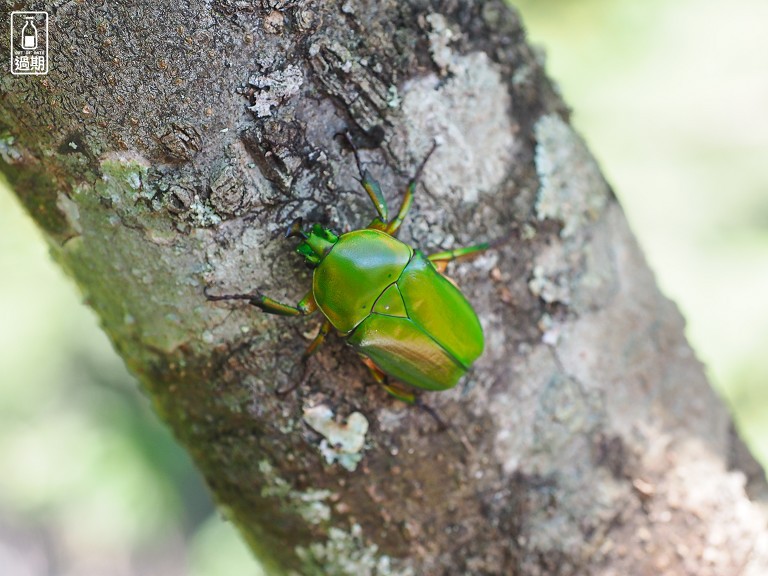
(394, 227)
(370, 185)
(373, 189)
(306, 305)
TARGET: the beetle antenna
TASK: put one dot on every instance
(295, 229)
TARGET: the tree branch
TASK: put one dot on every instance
(163, 159)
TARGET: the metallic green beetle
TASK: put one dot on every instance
(389, 301)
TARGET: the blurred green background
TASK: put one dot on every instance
(672, 97)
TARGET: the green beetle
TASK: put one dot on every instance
(389, 301)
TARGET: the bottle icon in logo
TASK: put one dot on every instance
(29, 34)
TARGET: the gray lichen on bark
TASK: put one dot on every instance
(165, 158)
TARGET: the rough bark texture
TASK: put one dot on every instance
(169, 144)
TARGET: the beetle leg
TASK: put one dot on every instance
(448, 255)
(304, 379)
(400, 393)
(375, 371)
(440, 266)
(440, 259)
(381, 379)
(441, 425)
(319, 339)
(306, 305)
(394, 226)
(414, 399)
(325, 327)
(374, 193)
(372, 187)
(377, 224)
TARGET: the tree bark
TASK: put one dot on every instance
(171, 142)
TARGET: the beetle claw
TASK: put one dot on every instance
(417, 176)
(304, 379)
(441, 424)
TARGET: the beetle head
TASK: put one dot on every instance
(317, 242)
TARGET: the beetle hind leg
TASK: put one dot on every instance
(381, 380)
(408, 396)
(441, 424)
